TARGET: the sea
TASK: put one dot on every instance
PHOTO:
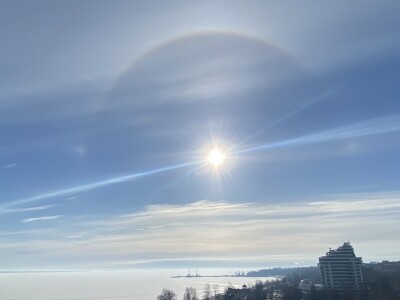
(111, 285)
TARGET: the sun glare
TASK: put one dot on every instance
(216, 157)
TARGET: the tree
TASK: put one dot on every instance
(291, 292)
(215, 289)
(258, 291)
(167, 294)
(207, 292)
(190, 294)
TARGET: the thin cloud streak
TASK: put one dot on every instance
(44, 218)
(9, 166)
(97, 185)
(381, 125)
(312, 102)
(26, 209)
(216, 259)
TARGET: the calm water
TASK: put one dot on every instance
(109, 285)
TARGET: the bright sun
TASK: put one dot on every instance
(216, 157)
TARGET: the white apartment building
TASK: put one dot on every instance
(341, 269)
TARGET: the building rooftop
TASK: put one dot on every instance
(346, 249)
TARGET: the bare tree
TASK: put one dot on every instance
(207, 292)
(167, 294)
(190, 294)
(215, 288)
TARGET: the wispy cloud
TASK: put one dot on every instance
(44, 218)
(225, 230)
(24, 209)
(203, 207)
(75, 236)
(375, 126)
(9, 166)
(98, 184)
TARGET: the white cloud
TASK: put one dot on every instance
(9, 166)
(24, 209)
(44, 218)
(221, 230)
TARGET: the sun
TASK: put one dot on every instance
(216, 157)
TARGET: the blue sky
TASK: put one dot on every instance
(108, 111)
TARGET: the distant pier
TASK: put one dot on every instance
(189, 275)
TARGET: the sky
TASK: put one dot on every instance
(109, 109)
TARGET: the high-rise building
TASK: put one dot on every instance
(341, 269)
